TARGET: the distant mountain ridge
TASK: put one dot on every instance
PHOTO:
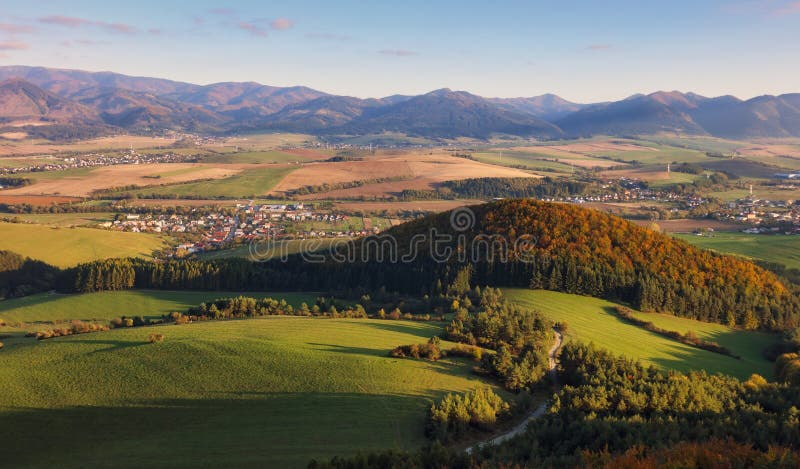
(112, 100)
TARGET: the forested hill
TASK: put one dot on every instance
(519, 243)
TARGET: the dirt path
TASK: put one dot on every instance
(536, 413)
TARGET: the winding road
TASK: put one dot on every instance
(536, 413)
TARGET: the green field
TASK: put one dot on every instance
(781, 249)
(592, 320)
(249, 182)
(271, 392)
(272, 156)
(537, 161)
(104, 306)
(64, 219)
(66, 247)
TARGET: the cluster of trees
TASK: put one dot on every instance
(483, 188)
(520, 337)
(787, 368)
(689, 338)
(6, 181)
(612, 404)
(20, 276)
(452, 417)
(614, 412)
(54, 208)
(688, 168)
(427, 351)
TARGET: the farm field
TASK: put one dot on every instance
(104, 306)
(420, 171)
(781, 249)
(66, 247)
(249, 182)
(592, 320)
(265, 157)
(83, 181)
(272, 392)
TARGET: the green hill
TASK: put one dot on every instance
(269, 392)
(593, 320)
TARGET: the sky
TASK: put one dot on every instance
(584, 51)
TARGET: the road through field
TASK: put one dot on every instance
(536, 413)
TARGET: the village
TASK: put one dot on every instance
(210, 231)
(90, 160)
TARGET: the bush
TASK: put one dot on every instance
(155, 338)
(466, 351)
(429, 351)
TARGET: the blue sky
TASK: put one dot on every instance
(582, 50)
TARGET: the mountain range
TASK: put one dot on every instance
(110, 101)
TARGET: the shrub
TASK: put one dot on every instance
(466, 351)
(155, 338)
(429, 351)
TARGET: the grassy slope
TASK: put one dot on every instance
(248, 183)
(65, 219)
(272, 392)
(69, 246)
(772, 248)
(591, 320)
(103, 306)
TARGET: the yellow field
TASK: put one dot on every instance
(66, 247)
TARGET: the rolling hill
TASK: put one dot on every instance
(21, 100)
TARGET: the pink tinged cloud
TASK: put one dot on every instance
(397, 52)
(13, 45)
(16, 28)
(281, 24)
(74, 22)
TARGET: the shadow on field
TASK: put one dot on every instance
(421, 330)
(349, 350)
(261, 430)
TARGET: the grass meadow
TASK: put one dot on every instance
(781, 249)
(272, 392)
(593, 320)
